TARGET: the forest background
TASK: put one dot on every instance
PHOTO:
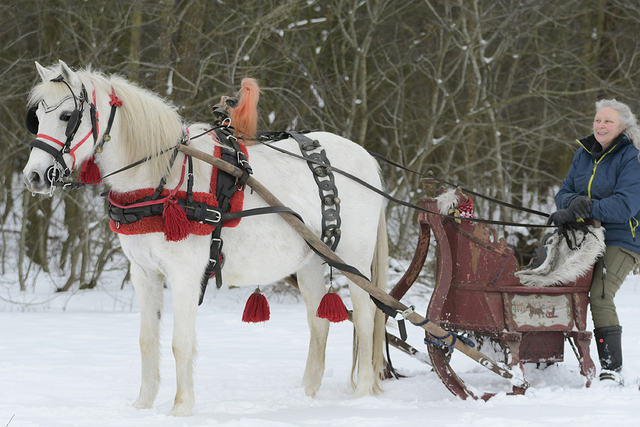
(490, 94)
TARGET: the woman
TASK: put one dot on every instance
(604, 184)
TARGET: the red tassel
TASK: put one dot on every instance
(257, 308)
(90, 172)
(332, 308)
(176, 225)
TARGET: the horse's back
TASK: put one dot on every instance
(266, 247)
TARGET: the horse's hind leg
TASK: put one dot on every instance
(312, 288)
(148, 285)
(364, 318)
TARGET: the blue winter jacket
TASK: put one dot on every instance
(612, 181)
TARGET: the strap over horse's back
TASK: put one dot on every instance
(320, 166)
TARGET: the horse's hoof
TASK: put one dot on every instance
(311, 391)
(181, 411)
(365, 388)
(141, 404)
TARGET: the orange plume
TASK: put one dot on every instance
(244, 118)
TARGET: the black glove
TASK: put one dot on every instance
(561, 216)
(581, 207)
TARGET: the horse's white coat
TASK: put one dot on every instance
(260, 250)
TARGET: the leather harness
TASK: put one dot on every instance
(227, 186)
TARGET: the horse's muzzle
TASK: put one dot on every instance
(38, 182)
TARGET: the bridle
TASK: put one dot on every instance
(60, 170)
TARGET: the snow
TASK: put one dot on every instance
(73, 360)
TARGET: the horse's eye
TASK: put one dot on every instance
(65, 117)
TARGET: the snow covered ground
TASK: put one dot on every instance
(74, 361)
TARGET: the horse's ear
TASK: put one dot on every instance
(45, 74)
(69, 74)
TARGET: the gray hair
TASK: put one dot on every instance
(628, 120)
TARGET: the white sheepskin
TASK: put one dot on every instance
(564, 265)
(447, 201)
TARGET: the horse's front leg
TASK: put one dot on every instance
(148, 285)
(185, 289)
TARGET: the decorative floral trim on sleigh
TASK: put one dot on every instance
(563, 264)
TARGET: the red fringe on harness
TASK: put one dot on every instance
(90, 173)
(176, 225)
(156, 224)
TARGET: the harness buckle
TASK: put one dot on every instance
(216, 219)
(243, 163)
(218, 241)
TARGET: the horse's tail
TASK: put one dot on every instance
(379, 269)
(244, 118)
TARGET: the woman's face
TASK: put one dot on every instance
(606, 126)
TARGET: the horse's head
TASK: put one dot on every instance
(63, 118)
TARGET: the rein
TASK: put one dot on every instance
(466, 190)
(157, 201)
(267, 139)
(75, 185)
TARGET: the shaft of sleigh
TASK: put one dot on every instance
(515, 379)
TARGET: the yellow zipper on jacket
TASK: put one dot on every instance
(633, 227)
(593, 174)
(595, 166)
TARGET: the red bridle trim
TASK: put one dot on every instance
(50, 138)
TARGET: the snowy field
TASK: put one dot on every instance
(74, 361)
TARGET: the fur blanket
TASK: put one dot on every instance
(562, 264)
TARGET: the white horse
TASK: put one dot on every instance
(260, 250)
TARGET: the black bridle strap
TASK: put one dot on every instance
(56, 154)
(78, 111)
(70, 133)
(114, 103)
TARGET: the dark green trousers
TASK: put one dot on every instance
(618, 262)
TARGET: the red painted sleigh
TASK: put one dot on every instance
(477, 293)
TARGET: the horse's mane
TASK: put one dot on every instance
(148, 123)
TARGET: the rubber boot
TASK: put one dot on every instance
(609, 344)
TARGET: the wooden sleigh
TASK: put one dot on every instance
(477, 293)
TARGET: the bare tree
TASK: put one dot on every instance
(488, 94)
